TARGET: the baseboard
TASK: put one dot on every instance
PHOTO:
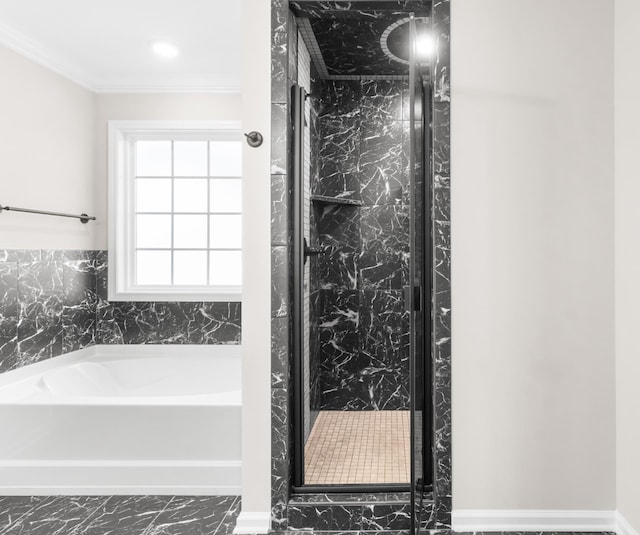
(623, 527)
(252, 523)
(533, 520)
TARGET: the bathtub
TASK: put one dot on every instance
(113, 419)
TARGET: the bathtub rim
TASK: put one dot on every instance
(231, 398)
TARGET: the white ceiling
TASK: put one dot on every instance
(105, 44)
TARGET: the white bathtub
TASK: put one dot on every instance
(161, 419)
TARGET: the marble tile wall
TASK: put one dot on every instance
(363, 327)
(47, 304)
(55, 301)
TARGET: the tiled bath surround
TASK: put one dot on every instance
(327, 512)
(55, 301)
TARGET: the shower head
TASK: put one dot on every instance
(394, 41)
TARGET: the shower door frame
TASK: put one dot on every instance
(298, 99)
(415, 296)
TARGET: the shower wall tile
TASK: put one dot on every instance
(441, 67)
(382, 100)
(441, 143)
(280, 195)
(279, 281)
(8, 315)
(442, 258)
(279, 62)
(383, 262)
(386, 517)
(338, 99)
(323, 517)
(380, 166)
(292, 48)
(315, 376)
(384, 329)
(339, 150)
(280, 456)
(280, 352)
(279, 21)
(347, 515)
(279, 154)
(338, 227)
(284, 55)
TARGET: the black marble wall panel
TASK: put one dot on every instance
(48, 304)
(283, 61)
(362, 148)
(441, 350)
(55, 301)
(8, 315)
(143, 322)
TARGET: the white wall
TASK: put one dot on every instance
(627, 209)
(46, 156)
(142, 106)
(256, 292)
(532, 254)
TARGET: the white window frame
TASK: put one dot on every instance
(121, 228)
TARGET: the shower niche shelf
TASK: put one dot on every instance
(340, 201)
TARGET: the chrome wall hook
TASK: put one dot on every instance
(254, 139)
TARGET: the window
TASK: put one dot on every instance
(175, 211)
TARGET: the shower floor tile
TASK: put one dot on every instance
(358, 447)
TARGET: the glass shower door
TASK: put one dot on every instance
(418, 292)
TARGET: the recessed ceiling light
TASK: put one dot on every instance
(166, 50)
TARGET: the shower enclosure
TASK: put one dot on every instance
(362, 185)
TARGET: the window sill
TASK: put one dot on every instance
(177, 296)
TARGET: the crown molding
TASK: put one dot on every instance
(38, 53)
(35, 51)
(177, 86)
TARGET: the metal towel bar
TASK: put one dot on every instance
(84, 218)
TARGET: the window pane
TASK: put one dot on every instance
(226, 195)
(153, 231)
(190, 195)
(153, 195)
(190, 158)
(225, 268)
(153, 158)
(190, 267)
(153, 267)
(226, 158)
(190, 231)
(226, 232)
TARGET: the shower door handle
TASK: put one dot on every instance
(417, 298)
(312, 251)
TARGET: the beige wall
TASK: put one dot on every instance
(532, 254)
(53, 149)
(46, 156)
(627, 206)
(166, 106)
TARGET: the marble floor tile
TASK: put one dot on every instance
(118, 515)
